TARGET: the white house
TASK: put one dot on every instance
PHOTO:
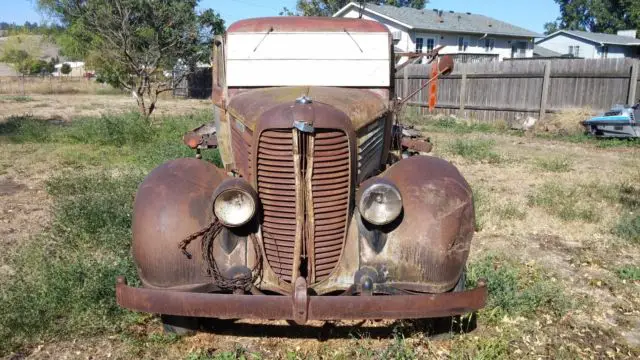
(77, 69)
(470, 37)
(590, 45)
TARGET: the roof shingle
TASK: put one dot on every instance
(603, 38)
(430, 19)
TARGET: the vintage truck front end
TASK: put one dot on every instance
(315, 214)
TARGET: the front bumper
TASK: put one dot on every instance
(300, 307)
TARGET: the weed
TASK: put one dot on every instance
(554, 164)
(479, 207)
(510, 212)
(629, 272)
(475, 150)
(480, 348)
(516, 290)
(239, 353)
(16, 98)
(628, 227)
(564, 201)
(23, 129)
(398, 349)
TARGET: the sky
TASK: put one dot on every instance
(529, 14)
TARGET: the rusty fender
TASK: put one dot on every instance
(428, 245)
(300, 306)
(172, 202)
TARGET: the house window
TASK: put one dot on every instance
(574, 50)
(419, 45)
(431, 44)
(519, 49)
(463, 43)
(489, 44)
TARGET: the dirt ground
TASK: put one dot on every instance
(580, 255)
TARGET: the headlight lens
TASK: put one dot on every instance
(234, 204)
(380, 202)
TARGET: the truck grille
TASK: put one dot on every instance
(277, 192)
(330, 196)
(370, 148)
(326, 214)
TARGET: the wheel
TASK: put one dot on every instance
(180, 325)
(460, 285)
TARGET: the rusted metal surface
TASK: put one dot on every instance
(360, 106)
(300, 306)
(444, 66)
(172, 202)
(413, 57)
(305, 23)
(286, 229)
(277, 191)
(241, 139)
(330, 182)
(429, 244)
(419, 145)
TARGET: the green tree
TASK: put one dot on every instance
(330, 7)
(550, 27)
(65, 69)
(134, 43)
(606, 16)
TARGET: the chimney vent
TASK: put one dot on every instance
(627, 33)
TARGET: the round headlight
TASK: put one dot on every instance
(234, 203)
(380, 202)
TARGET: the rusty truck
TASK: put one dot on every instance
(317, 213)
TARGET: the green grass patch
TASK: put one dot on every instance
(480, 206)
(65, 278)
(558, 165)
(477, 150)
(628, 227)
(516, 289)
(565, 201)
(629, 272)
(16, 98)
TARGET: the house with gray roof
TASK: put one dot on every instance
(468, 37)
(589, 45)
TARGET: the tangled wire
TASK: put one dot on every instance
(208, 234)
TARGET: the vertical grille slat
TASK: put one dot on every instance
(241, 147)
(278, 231)
(370, 148)
(329, 195)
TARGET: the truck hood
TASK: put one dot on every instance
(360, 105)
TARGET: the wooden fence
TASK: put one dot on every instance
(512, 90)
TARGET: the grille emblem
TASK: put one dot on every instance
(303, 126)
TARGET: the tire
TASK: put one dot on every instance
(180, 325)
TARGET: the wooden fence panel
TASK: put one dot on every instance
(511, 90)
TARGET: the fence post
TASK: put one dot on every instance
(405, 82)
(633, 82)
(545, 89)
(463, 91)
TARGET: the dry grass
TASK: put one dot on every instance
(564, 123)
(66, 107)
(30, 85)
(564, 286)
